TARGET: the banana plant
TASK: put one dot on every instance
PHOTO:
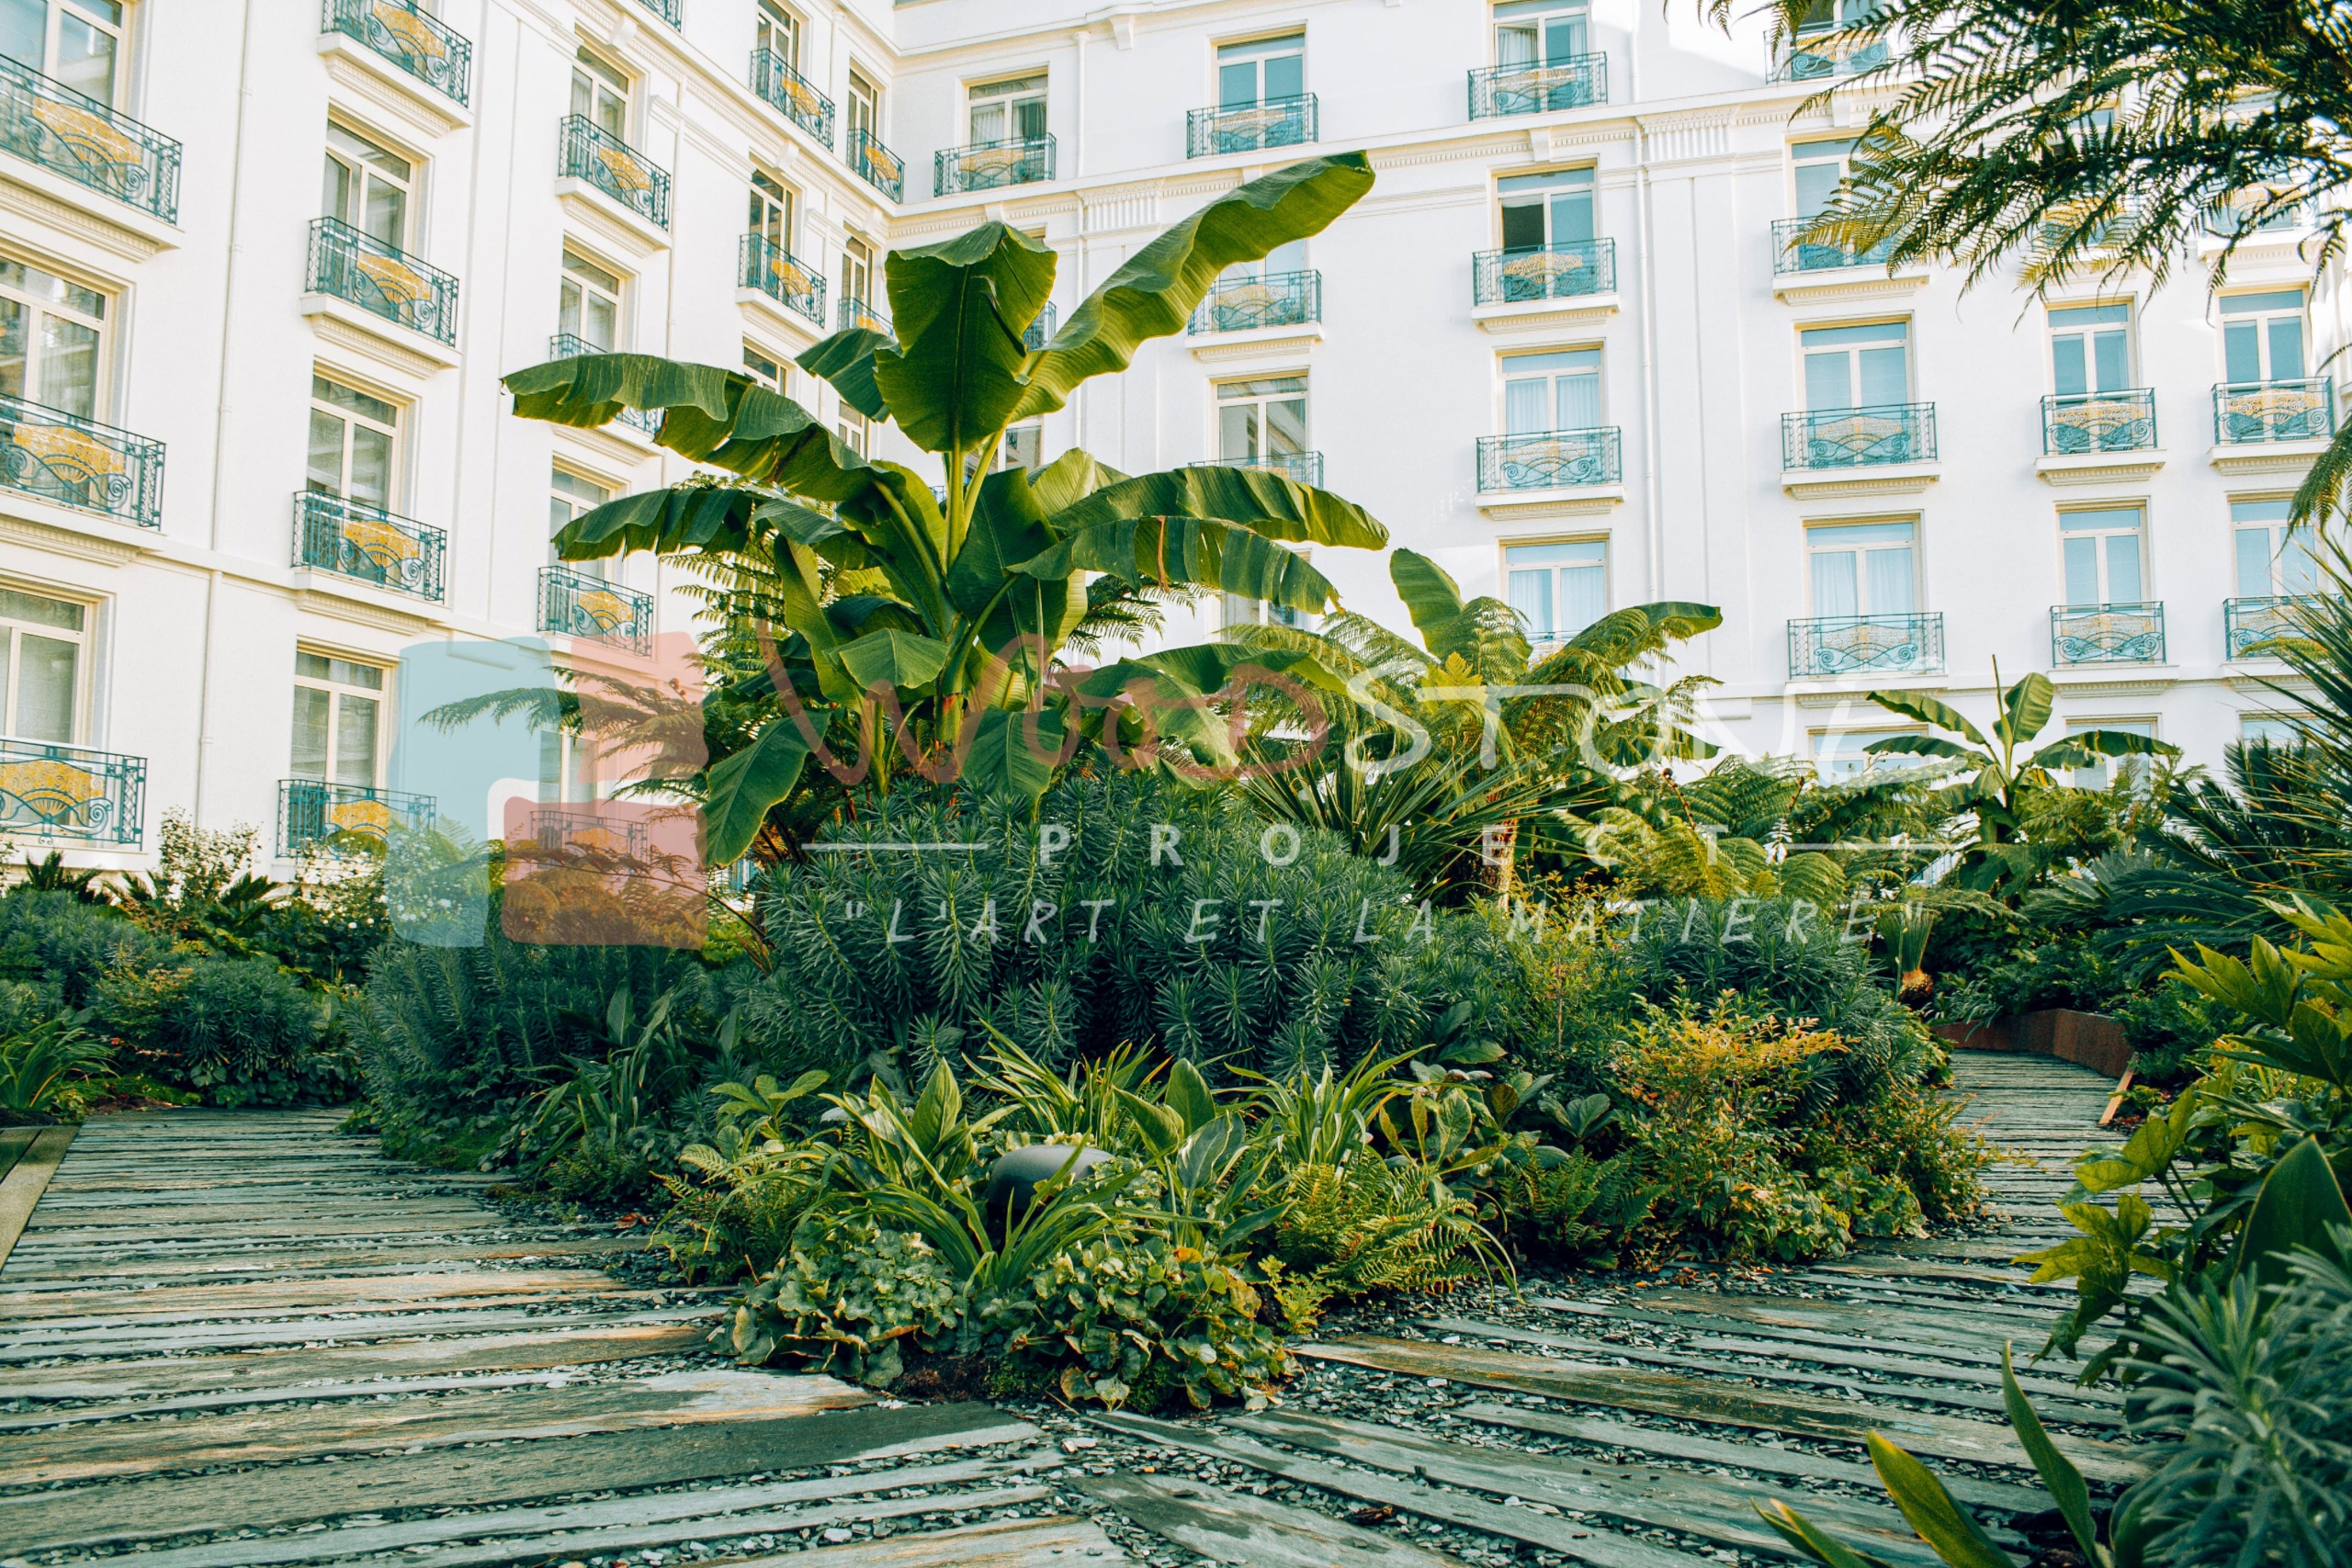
(938, 619)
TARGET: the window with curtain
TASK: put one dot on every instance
(2103, 772)
(2262, 336)
(763, 367)
(588, 305)
(367, 185)
(41, 660)
(2266, 729)
(1850, 368)
(1817, 167)
(2090, 349)
(569, 496)
(1265, 417)
(52, 338)
(353, 440)
(864, 109)
(338, 719)
(2102, 551)
(777, 30)
(1557, 589)
(1862, 568)
(1545, 393)
(1011, 110)
(600, 94)
(770, 210)
(2271, 560)
(857, 271)
(1260, 71)
(1541, 32)
(1542, 210)
(78, 42)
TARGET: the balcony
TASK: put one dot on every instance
(315, 815)
(368, 544)
(1858, 438)
(1556, 272)
(2107, 634)
(860, 313)
(600, 830)
(381, 280)
(1830, 646)
(71, 461)
(574, 604)
(2249, 624)
(1246, 304)
(572, 345)
(1577, 82)
(71, 794)
(670, 11)
(876, 164)
(50, 124)
(600, 159)
(763, 264)
(2249, 412)
(1250, 127)
(1041, 331)
(417, 43)
(990, 166)
(2079, 423)
(1551, 459)
(1825, 55)
(1306, 467)
(1788, 254)
(785, 88)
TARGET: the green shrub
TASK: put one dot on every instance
(64, 947)
(239, 1031)
(41, 1064)
(844, 1297)
(2169, 1030)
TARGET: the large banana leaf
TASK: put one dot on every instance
(1153, 294)
(1932, 710)
(1194, 550)
(742, 787)
(2025, 708)
(1431, 597)
(1071, 478)
(1263, 502)
(892, 657)
(846, 361)
(959, 308)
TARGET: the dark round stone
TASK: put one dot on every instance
(1016, 1175)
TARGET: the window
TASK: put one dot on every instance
(2102, 554)
(51, 332)
(777, 30)
(338, 719)
(850, 426)
(77, 43)
(1025, 447)
(1543, 210)
(2271, 561)
(569, 497)
(864, 110)
(2262, 336)
(2090, 349)
(1282, 261)
(1260, 71)
(2097, 775)
(1538, 32)
(367, 186)
(1850, 368)
(1261, 418)
(40, 680)
(2266, 730)
(1840, 755)
(1552, 391)
(857, 270)
(352, 439)
(600, 95)
(763, 369)
(1818, 166)
(1862, 568)
(1009, 111)
(590, 305)
(771, 213)
(1558, 590)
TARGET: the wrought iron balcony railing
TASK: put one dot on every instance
(853, 312)
(1554, 272)
(2247, 411)
(875, 165)
(763, 264)
(381, 280)
(2107, 634)
(1041, 331)
(2077, 424)
(1277, 300)
(670, 11)
(573, 604)
(1791, 254)
(1250, 127)
(351, 539)
(1573, 83)
(50, 124)
(2249, 624)
(1306, 467)
(572, 345)
(49, 790)
(421, 45)
(314, 814)
(1854, 438)
(1865, 645)
(789, 91)
(592, 829)
(986, 165)
(1827, 54)
(78, 462)
(1551, 459)
(613, 166)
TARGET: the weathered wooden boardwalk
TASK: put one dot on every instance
(234, 1339)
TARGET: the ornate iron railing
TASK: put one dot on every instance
(1250, 128)
(1570, 83)
(1277, 300)
(1853, 439)
(855, 313)
(613, 166)
(2107, 634)
(584, 830)
(1306, 467)
(572, 345)
(80, 463)
(763, 264)
(574, 604)
(1790, 255)
(1041, 331)
(793, 94)
(1858, 645)
(2247, 624)
(2099, 422)
(670, 11)
(312, 813)
(54, 791)
(1829, 55)
(875, 165)
(985, 165)
(1554, 272)
(421, 45)
(381, 279)
(2274, 410)
(351, 539)
(1551, 459)
(50, 124)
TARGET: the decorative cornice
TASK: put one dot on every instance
(2100, 468)
(621, 231)
(24, 522)
(1845, 283)
(2149, 685)
(1583, 311)
(385, 345)
(326, 595)
(368, 81)
(1906, 479)
(607, 444)
(1259, 343)
(38, 196)
(1526, 506)
(2283, 457)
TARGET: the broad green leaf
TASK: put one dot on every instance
(1071, 478)
(893, 659)
(664, 521)
(1623, 635)
(1430, 593)
(1943, 1524)
(1013, 752)
(1261, 502)
(2119, 743)
(1153, 294)
(1162, 1129)
(2025, 708)
(745, 785)
(1917, 746)
(1190, 551)
(1008, 527)
(2300, 1200)
(959, 308)
(846, 361)
(1929, 709)
(1189, 1095)
(1809, 1538)
(2058, 1472)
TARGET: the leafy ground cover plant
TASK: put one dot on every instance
(42, 1065)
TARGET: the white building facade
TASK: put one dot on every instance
(262, 265)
